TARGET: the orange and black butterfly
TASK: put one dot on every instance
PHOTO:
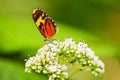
(44, 23)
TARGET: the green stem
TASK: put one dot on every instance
(73, 73)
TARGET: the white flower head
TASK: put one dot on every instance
(52, 59)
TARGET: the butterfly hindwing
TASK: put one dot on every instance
(50, 29)
(45, 25)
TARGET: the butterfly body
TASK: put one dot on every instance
(45, 24)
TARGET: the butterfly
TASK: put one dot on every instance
(44, 23)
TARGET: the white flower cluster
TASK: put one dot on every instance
(51, 59)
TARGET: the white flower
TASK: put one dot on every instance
(51, 68)
(52, 58)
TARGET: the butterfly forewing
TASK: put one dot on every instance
(44, 24)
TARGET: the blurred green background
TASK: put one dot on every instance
(97, 22)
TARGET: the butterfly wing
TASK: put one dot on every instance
(48, 29)
(45, 25)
